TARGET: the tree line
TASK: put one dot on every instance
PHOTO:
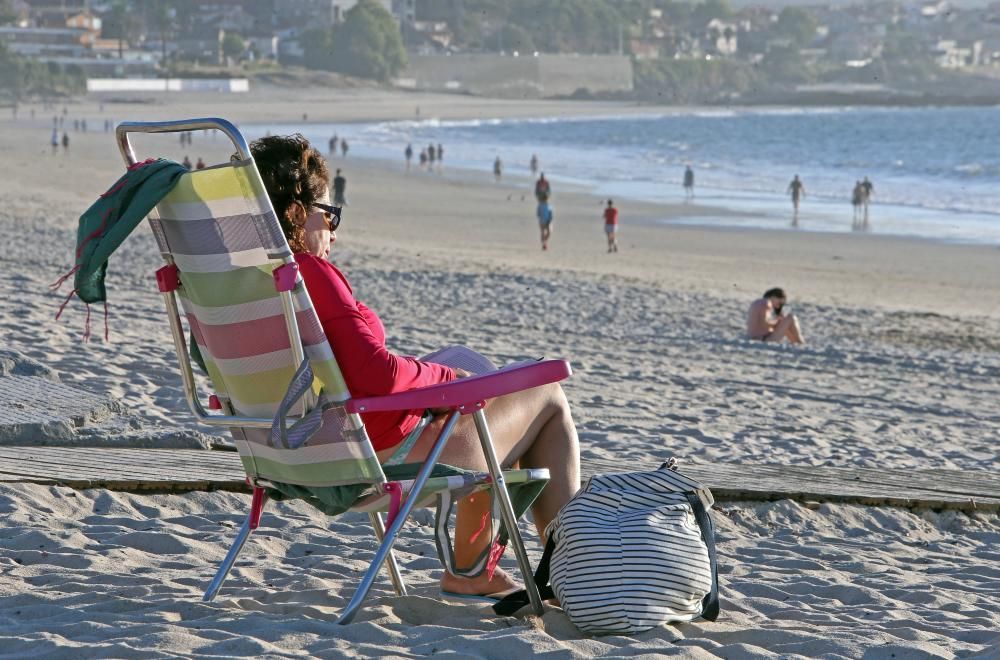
(22, 78)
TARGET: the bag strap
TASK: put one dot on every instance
(515, 601)
(283, 437)
(709, 604)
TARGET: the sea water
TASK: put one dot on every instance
(936, 171)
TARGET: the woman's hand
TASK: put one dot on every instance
(459, 373)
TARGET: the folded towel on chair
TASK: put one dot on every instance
(109, 221)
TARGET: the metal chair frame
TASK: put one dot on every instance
(386, 537)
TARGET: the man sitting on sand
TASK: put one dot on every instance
(769, 321)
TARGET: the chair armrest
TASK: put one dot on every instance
(465, 393)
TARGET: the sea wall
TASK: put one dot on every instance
(508, 75)
(227, 85)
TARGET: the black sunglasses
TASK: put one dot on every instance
(333, 221)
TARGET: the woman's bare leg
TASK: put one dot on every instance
(788, 327)
(794, 333)
(533, 427)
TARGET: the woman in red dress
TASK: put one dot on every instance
(533, 428)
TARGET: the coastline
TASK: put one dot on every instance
(911, 201)
(894, 273)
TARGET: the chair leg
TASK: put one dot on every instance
(250, 524)
(392, 567)
(507, 511)
(385, 549)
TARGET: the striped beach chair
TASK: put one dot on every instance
(276, 382)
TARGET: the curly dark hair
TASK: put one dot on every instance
(292, 171)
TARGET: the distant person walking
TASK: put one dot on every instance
(431, 155)
(544, 213)
(611, 226)
(200, 165)
(497, 169)
(65, 142)
(868, 188)
(857, 197)
(186, 162)
(409, 156)
(440, 157)
(688, 183)
(339, 190)
(423, 158)
(343, 147)
(769, 320)
(542, 189)
(333, 145)
(797, 191)
(534, 164)
(55, 140)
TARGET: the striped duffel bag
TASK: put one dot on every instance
(629, 552)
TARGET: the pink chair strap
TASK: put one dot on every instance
(284, 276)
(395, 491)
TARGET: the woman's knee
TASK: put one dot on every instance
(554, 398)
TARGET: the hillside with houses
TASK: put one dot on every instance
(648, 50)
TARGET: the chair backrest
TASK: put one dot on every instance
(218, 227)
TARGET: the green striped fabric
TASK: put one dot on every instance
(218, 227)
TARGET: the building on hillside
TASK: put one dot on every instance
(203, 45)
(645, 49)
(60, 17)
(228, 15)
(949, 55)
(405, 11)
(50, 30)
(935, 9)
(20, 13)
(720, 38)
(49, 13)
(44, 43)
(311, 14)
(264, 47)
(427, 36)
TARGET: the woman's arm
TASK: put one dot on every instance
(369, 368)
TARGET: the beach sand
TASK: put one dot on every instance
(901, 371)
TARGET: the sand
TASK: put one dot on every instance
(901, 371)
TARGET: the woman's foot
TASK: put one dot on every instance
(481, 585)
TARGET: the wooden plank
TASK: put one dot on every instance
(967, 483)
(45, 466)
(121, 468)
(826, 484)
(104, 455)
(147, 463)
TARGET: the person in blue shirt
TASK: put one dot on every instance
(544, 213)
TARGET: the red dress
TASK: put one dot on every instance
(357, 337)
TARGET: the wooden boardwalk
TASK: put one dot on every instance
(180, 470)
